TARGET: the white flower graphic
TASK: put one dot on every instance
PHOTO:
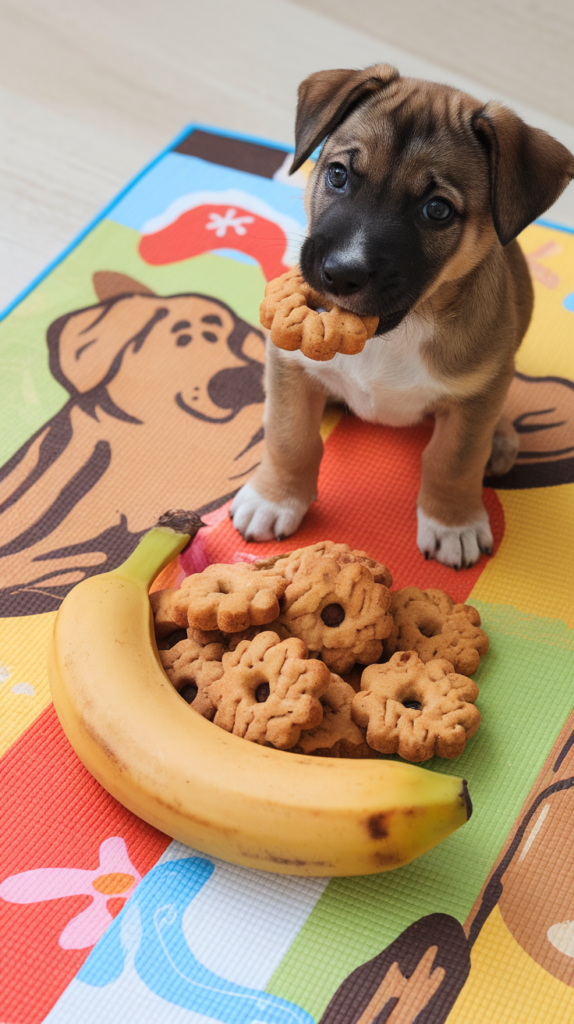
(220, 224)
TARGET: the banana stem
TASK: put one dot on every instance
(159, 546)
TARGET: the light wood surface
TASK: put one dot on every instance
(90, 90)
(518, 48)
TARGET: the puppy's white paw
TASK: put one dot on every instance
(258, 519)
(456, 546)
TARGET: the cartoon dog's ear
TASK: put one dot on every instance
(109, 285)
(528, 168)
(326, 97)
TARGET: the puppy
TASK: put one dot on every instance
(413, 207)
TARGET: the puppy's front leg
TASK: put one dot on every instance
(453, 524)
(275, 500)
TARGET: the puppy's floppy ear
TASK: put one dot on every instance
(528, 168)
(326, 97)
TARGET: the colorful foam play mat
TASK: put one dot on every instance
(132, 383)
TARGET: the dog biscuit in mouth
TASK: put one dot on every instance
(299, 318)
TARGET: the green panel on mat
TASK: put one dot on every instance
(526, 693)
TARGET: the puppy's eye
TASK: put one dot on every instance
(438, 209)
(337, 175)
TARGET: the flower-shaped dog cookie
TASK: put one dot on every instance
(337, 735)
(298, 318)
(342, 553)
(192, 669)
(335, 605)
(430, 623)
(288, 563)
(416, 710)
(225, 597)
(270, 690)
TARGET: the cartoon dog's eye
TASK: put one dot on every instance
(337, 175)
(438, 209)
(184, 339)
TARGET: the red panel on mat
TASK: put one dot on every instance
(370, 476)
(54, 814)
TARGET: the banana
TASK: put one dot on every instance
(249, 804)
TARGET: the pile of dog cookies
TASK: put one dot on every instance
(274, 651)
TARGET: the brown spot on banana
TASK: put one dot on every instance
(377, 826)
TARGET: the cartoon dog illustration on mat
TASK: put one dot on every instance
(165, 411)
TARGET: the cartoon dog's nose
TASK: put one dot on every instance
(343, 275)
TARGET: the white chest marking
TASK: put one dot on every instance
(388, 381)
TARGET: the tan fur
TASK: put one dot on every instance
(293, 452)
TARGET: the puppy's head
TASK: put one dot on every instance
(415, 184)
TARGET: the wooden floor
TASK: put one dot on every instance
(518, 48)
(90, 90)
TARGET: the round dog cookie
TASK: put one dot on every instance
(415, 709)
(226, 597)
(300, 318)
(337, 608)
(289, 562)
(430, 623)
(192, 669)
(337, 735)
(269, 690)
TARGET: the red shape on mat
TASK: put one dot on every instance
(369, 480)
(206, 228)
(54, 814)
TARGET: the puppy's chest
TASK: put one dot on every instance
(387, 382)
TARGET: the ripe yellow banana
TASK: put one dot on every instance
(250, 804)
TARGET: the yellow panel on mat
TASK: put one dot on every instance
(505, 986)
(547, 348)
(531, 570)
(24, 692)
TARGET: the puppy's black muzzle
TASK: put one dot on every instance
(369, 261)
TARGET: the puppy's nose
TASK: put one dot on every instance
(344, 276)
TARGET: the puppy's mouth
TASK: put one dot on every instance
(361, 306)
(387, 321)
(364, 294)
(390, 321)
